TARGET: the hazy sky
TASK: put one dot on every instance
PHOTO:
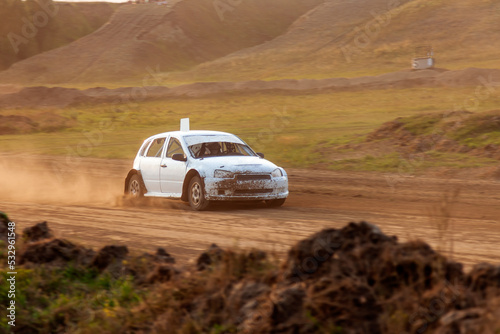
(92, 0)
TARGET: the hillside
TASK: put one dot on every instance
(173, 37)
(195, 40)
(67, 22)
(367, 37)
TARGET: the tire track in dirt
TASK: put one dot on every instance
(318, 199)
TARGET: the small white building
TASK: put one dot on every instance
(423, 58)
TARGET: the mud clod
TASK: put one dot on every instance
(161, 273)
(37, 232)
(213, 255)
(162, 256)
(55, 251)
(484, 278)
(287, 303)
(109, 255)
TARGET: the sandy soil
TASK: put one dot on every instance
(81, 199)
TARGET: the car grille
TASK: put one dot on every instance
(253, 177)
(252, 191)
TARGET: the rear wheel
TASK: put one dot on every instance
(274, 203)
(135, 188)
(196, 195)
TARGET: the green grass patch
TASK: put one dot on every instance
(479, 130)
(69, 297)
(292, 131)
(421, 124)
(395, 162)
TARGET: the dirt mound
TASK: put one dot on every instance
(483, 278)
(161, 273)
(111, 259)
(37, 232)
(42, 122)
(40, 97)
(213, 255)
(451, 132)
(109, 256)
(57, 252)
(13, 124)
(138, 39)
(37, 97)
(352, 272)
(350, 280)
(306, 259)
(161, 256)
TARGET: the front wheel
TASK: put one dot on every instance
(196, 194)
(135, 188)
(274, 203)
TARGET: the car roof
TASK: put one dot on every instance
(191, 133)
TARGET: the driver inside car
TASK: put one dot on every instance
(212, 149)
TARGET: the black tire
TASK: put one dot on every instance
(196, 195)
(135, 187)
(275, 203)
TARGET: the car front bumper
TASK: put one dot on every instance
(219, 189)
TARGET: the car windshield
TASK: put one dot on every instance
(220, 149)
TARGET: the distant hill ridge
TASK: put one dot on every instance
(170, 37)
(206, 40)
(28, 28)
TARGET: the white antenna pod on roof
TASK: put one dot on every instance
(185, 124)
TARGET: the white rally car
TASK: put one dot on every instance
(204, 166)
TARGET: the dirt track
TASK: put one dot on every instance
(86, 206)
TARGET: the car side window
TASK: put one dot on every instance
(144, 148)
(156, 147)
(174, 147)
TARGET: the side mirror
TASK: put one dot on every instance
(179, 157)
(261, 155)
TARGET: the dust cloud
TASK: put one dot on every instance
(58, 180)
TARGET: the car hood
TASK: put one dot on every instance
(238, 164)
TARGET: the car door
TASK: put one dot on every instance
(172, 172)
(150, 165)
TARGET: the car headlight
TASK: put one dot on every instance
(277, 173)
(223, 174)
